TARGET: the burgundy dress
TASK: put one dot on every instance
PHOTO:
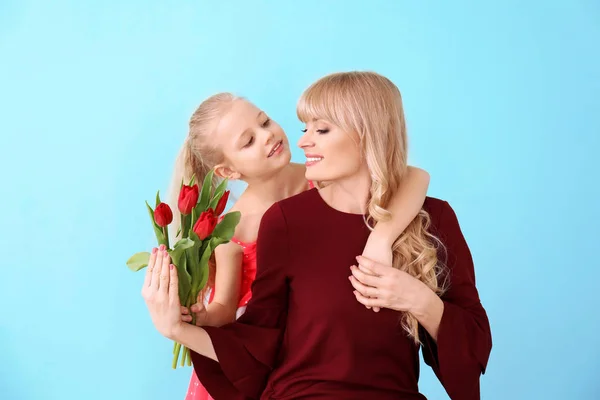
(305, 336)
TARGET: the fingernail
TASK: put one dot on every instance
(154, 250)
(162, 246)
(358, 258)
(171, 266)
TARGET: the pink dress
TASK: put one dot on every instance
(195, 390)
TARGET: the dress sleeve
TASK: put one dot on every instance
(247, 348)
(464, 340)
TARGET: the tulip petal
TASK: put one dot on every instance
(160, 237)
(219, 191)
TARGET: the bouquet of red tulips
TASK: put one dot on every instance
(202, 230)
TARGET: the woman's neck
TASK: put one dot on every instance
(349, 195)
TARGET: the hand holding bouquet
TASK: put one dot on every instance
(202, 230)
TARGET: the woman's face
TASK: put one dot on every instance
(331, 153)
(254, 146)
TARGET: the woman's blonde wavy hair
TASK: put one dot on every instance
(371, 105)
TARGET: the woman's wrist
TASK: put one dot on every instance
(425, 302)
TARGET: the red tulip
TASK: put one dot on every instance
(188, 197)
(206, 224)
(222, 203)
(163, 215)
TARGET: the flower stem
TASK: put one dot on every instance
(166, 235)
(176, 355)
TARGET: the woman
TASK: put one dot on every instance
(238, 141)
(304, 334)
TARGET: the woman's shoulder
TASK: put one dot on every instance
(443, 217)
(435, 206)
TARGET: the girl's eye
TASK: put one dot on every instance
(322, 131)
(304, 130)
(249, 142)
(266, 123)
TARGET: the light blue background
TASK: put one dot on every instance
(502, 108)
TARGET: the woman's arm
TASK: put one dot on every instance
(161, 294)
(455, 332)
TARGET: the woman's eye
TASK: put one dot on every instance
(322, 131)
(266, 123)
(304, 130)
(249, 142)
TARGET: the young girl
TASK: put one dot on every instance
(238, 141)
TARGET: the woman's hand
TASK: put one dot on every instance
(161, 293)
(378, 249)
(378, 285)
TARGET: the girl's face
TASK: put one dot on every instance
(331, 153)
(254, 146)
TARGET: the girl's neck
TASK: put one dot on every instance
(286, 183)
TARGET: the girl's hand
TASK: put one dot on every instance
(161, 293)
(199, 311)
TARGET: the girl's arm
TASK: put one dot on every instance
(222, 309)
(404, 206)
(228, 275)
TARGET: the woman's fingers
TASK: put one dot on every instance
(150, 268)
(366, 291)
(368, 301)
(173, 283)
(157, 269)
(163, 286)
(365, 278)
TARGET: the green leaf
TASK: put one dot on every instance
(226, 228)
(178, 256)
(138, 261)
(195, 267)
(212, 245)
(183, 244)
(185, 281)
(218, 194)
(157, 198)
(205, 194)
(160, 237)
(192, 180)
(194, 255)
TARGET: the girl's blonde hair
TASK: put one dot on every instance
(371, 105)
(198, 156)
